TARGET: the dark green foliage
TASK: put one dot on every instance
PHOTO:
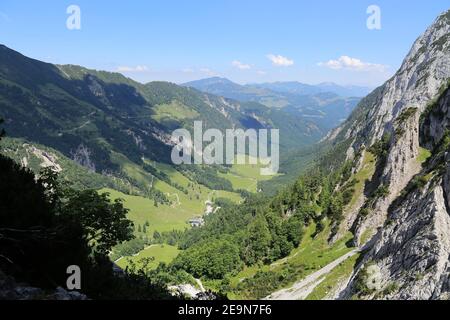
(381, 148)
(257, 241)
(128, 248)
(406, 114)
(211, 258)
(20, 192)
(231, 220)
(336, 208)
(390, 289)
(420, 182)
(207, 176)
(259, 234)
(44, 228)
(381, 192)
(292, 229)
(347, 195)
(169, 237)
(308, 195)
(432, 107)
(364, 212)
(401, 119)
(292, 165)
(163, 177)
(163, 273)
(105, 224)
(264, 283)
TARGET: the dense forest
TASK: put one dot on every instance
(262, 230)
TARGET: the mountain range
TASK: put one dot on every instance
(74, 109)
(225, 87)
(326, 104)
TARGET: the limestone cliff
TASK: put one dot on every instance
(424, 72)
(409, 223)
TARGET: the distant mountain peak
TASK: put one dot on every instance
(209, 81)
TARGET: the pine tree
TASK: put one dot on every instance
(156, 236)
(258, 240)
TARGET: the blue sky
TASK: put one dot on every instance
(246, 41)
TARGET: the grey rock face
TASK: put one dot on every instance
(422, 74)
(11, 290)
(411, 249)
(82, 156)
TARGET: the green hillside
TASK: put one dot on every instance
(95, 117)
(103, 126)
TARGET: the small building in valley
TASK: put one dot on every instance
(197, 222)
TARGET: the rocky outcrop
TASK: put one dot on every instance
(388, 111)
(82, 156)
(412, 250)
(408, 256)
(11, 290)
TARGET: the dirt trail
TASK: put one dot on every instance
(300, 290)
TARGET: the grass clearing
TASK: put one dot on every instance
(245, 176)
(160, 254)
(184, 205)
(161, 218)
(174, 110)
(366, 236)
(166, 217)
(423, 156)
(315, 253)
(362, 176)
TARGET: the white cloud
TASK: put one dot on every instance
(136, 69)
(261, 73)
(240, 65)
(281, 61)
(348, 63)
(188, 70)
(208, 72)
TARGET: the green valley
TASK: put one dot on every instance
(115, 185)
